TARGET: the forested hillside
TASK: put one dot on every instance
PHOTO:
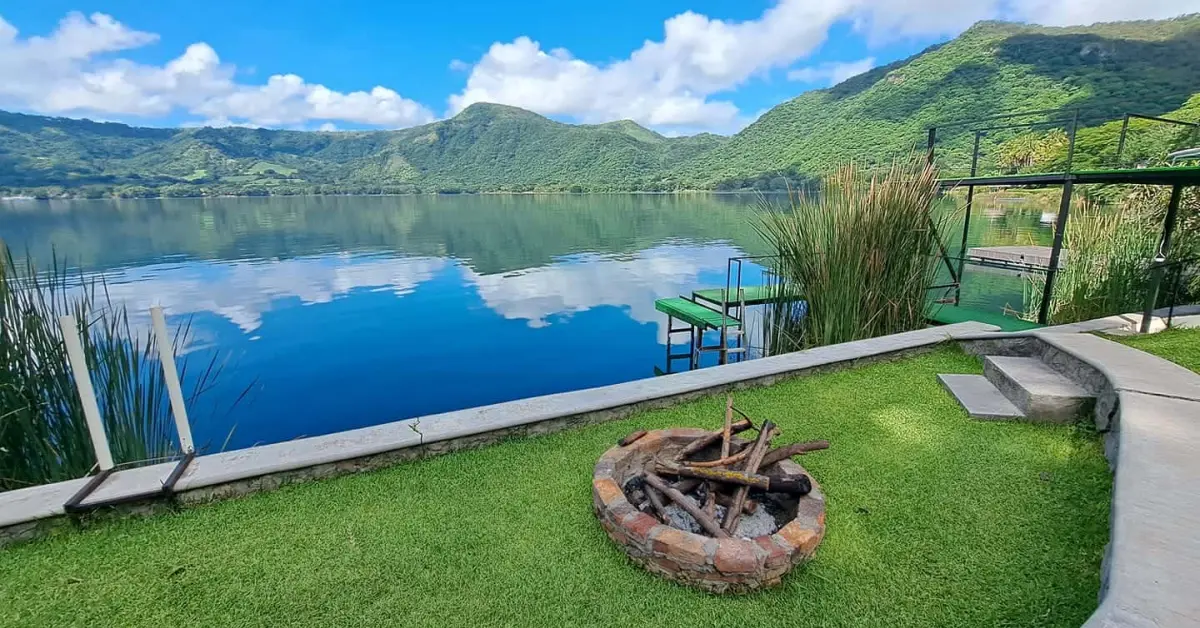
(1105, 70)
(484, 148)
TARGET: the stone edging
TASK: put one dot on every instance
(29, 512)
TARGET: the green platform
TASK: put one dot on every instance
(754, 295)
(694, 313)
(949, 314)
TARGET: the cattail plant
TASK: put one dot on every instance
(43, 434)
(861, 253)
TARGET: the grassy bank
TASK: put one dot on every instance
(933, 520)
(1181, 346)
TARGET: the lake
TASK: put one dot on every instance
(345, 312)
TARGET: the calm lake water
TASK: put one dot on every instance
(344, 312)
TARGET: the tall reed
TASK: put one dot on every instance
(862, 252)
(43, 435)
(1106, 253)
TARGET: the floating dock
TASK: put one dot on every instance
(1029, 257)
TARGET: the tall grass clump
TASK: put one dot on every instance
(862, 253)
(1107, 254)
(43, 434)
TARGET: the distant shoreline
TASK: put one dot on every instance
(423, 194)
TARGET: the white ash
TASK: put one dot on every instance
(761, 523)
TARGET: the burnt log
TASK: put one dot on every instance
(795, 449)
(765, 433)
(790, 484)
(727, 431)
(725, 500)
(656, 503)
(702, 518)
(631, 438)
(712, 437)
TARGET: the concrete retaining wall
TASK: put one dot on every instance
(31, 512)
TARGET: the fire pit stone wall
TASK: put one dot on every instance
(732, 565)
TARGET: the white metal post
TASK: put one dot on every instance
(87, 395)
(166, 355)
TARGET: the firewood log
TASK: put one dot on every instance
(795, 449)
(712, 437)
(790, 484)
(631, 438)
(725, 500)
(688, 505)
(765, 433)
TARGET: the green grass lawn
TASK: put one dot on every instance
(933, 520)
(1181, 346)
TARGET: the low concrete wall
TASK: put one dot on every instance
(28, 513)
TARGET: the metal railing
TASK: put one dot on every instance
(1168, 287)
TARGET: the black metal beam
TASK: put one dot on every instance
(962, 249)
(1157, 267)
(1060, 230)
(1071, 140)
(1022, 125)
(72, 504)
(75, 504)
(1121, 142)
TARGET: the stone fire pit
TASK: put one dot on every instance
(718, 565)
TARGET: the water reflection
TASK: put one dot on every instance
(353, 311)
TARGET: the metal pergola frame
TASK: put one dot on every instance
(1067, 179)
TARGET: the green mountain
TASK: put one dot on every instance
(1102, 70)
(485, 147)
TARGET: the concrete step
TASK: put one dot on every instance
(1039, 391)
(980, 397)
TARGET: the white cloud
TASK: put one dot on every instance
(242, 292)
(676, 81)
(70, 72)
(583, 282)
(671, 82)
(1071, 12)
(831, 73)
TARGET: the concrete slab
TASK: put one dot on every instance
(1126, 368)
(1152, 571)
(980, 398)
(1040, 392)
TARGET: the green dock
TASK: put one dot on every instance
(753, 295)
(694, 313)
(946, 314)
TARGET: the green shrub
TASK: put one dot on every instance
(861, 252)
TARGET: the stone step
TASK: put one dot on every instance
(980, 397)
(1040, 392)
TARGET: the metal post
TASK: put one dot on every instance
(962, 249)
(931, 141)
(1164, 250)
(670, 326)
(87, 395)
(1071, 141)
(1121, 143)
(1060, 230)
(166, 355)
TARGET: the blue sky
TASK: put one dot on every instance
(678, 66)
